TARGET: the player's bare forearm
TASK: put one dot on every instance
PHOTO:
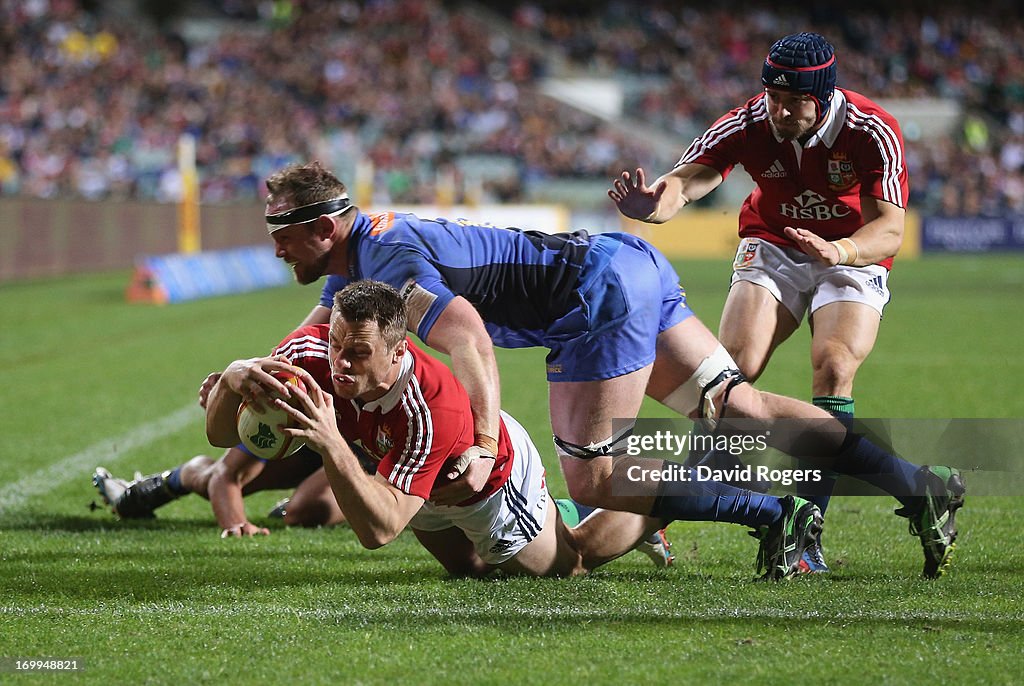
(475, 366)
(227, 503)
(882, 234)
(460, 333)
(662, 200)
(671, 201)
(222, 404)
(249, 380)
(230, 475)
(469, 473)
(477, 369)
(318, 315)
(204, 388)
(221, 412)
(376, 511)
(877, 240)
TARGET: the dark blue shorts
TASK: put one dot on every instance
(630, 293)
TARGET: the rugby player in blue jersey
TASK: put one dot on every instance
(611, 312)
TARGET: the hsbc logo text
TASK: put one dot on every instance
(811, 205)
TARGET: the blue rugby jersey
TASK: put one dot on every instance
(519, 281)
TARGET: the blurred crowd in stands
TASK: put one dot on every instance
(92, 104)
(702, 62)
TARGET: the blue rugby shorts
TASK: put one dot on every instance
(629, 293)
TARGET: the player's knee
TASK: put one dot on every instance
(586, 492)
(750, 363)
(707, 393)
(585, 486)
(195, 474)
(587, 467)
(833, 367)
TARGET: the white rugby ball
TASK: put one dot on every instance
(259, 431)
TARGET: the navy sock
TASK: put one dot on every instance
(583, 510)
(711, 501)
(696, 457)
(718, 459)
(173, 481)
(820, 493)
(864, 460)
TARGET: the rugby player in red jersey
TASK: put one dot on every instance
(818, 232)
(370, 387)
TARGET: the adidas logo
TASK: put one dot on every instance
(781, 80)
(776, 171)
(876, 284)
(502, 545)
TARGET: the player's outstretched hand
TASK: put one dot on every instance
(252, 379)
(317, 422)
(633, 197)
(244, 530)
(814, 245)
(470, 472)
(204, 389)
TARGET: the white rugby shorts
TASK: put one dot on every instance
(803, 284)
(504, 523)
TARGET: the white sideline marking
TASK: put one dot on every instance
(107, 451)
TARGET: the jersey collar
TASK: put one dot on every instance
(389, 400)
(834, 120)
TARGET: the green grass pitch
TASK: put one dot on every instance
(90, 380)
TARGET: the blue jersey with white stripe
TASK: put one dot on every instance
(519, 281)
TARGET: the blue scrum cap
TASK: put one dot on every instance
(802, 63)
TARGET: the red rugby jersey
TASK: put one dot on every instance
(415, 428)
(816, 186)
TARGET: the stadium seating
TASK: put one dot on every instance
(440, 100)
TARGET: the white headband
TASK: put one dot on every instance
(307, 213)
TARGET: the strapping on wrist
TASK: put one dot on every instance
(488, 443)
(848, 251)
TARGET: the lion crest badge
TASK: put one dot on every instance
(841, 175)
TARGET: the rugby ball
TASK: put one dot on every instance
(259, 431)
